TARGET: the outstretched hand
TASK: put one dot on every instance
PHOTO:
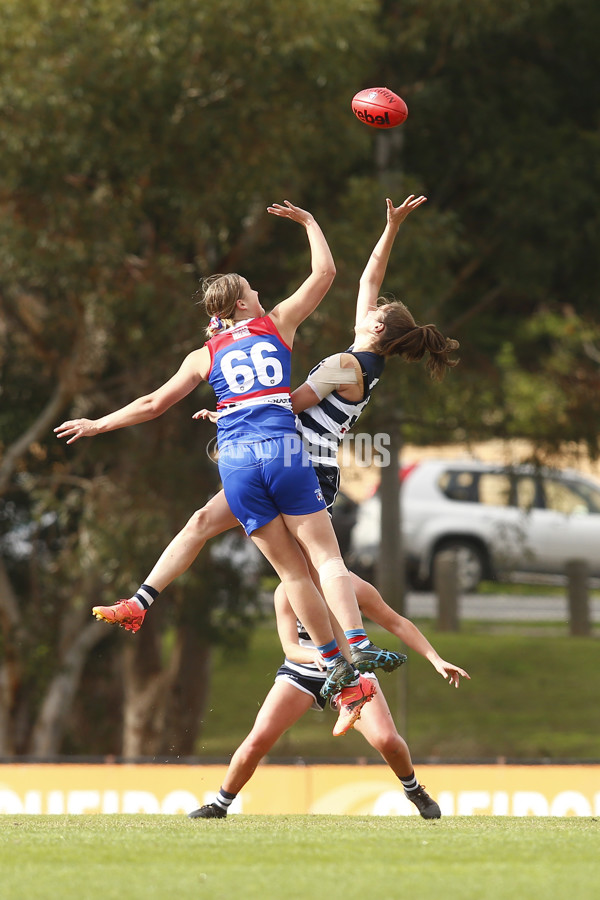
(289, 211)
(450, 672)
(210, 414)
(397, 214)
(75, 429)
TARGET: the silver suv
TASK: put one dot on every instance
(498, 519)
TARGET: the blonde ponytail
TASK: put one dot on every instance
(219, 295)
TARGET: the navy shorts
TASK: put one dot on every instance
(305, 683)
(329, 479)
(265, 478)
(310, 684)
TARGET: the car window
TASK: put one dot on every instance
(459, 485)
(569, 498)
(494, 489)
(526, 492)
(590, 494)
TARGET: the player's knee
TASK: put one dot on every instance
(256, 746)
(199, 525)
(388, 743)
(332, 568)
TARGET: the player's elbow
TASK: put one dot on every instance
(330, 272)
(153, 406)
(326, 274)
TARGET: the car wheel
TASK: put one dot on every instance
(471, 563)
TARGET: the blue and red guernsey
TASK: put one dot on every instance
(250, 373)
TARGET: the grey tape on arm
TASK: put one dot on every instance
(330, 376)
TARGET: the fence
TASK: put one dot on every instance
(449, 606)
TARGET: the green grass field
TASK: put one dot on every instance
(297, 857)
(532, 696)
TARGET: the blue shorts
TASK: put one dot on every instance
(265, 478)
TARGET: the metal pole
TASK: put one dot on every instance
(390, 564)
(391, 581)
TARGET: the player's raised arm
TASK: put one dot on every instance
(374, 272)
(192, 371)
(288, 314)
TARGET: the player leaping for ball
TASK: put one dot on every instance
(269, 485)
(327, 405)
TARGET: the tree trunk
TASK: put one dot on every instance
(390, 567)
(55, 710)
(143, 680)
(163, 705)
(10, 667)
(189, 695)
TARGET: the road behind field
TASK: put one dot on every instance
(499, 607)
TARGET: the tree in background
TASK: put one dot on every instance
(141, 145)
(503, 137)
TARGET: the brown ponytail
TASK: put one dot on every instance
(403, 337)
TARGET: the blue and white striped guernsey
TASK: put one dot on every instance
(322, 427)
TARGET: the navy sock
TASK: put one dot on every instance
(146, 595)
(224, 799)
(410, 782)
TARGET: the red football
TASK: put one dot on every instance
(379, 107)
